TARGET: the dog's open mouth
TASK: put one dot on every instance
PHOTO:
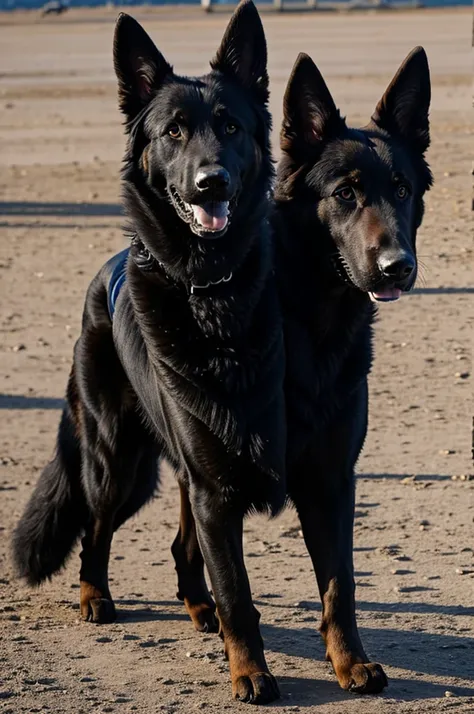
(210, 219)
(384, 294)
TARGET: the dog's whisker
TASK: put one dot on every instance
(421, 276)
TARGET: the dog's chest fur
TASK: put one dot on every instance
(328, 337)
(208, 373)
(328, 359)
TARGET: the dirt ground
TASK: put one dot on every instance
(61, 146)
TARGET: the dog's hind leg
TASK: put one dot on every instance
(113, 470)
(192, 588)
(96, 602)
(117, 452)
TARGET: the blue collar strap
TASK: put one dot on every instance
(117, 279)
(142, 258)
(145, 261)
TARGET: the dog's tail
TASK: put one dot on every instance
(56, 512)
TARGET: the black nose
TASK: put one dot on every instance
(397, 268)
(214, 177)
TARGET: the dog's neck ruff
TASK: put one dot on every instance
(147, 263)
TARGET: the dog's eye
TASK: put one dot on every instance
(402, 192)
(346, 193)
(230, 128)
(174, 131)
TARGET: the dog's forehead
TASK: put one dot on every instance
(200, 97)
(365, 154)
(359, 151)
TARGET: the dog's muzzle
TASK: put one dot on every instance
(209, 219)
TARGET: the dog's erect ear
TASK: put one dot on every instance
(309, 113)
(139, 66)
(243, 50)
(403, 109)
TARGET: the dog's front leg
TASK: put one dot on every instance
(220, 536)
(327, 528)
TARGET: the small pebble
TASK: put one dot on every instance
(448, 693)
(6, 695)
(103, 639)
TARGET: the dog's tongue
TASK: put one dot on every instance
(212, 216)
(387, 295)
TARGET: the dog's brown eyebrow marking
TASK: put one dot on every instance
(397, 176)
(219, 109)
(355, 176)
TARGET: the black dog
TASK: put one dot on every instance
(348, 205)
(191, 367)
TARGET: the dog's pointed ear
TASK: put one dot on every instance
(243, 51)
(139, 66)
(404, 108)
(309, 113)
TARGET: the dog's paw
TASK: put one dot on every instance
(203, 616)
(99, 610)
(257, 688)
(366, 679)
(94, 606)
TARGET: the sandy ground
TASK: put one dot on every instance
(61, 145)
